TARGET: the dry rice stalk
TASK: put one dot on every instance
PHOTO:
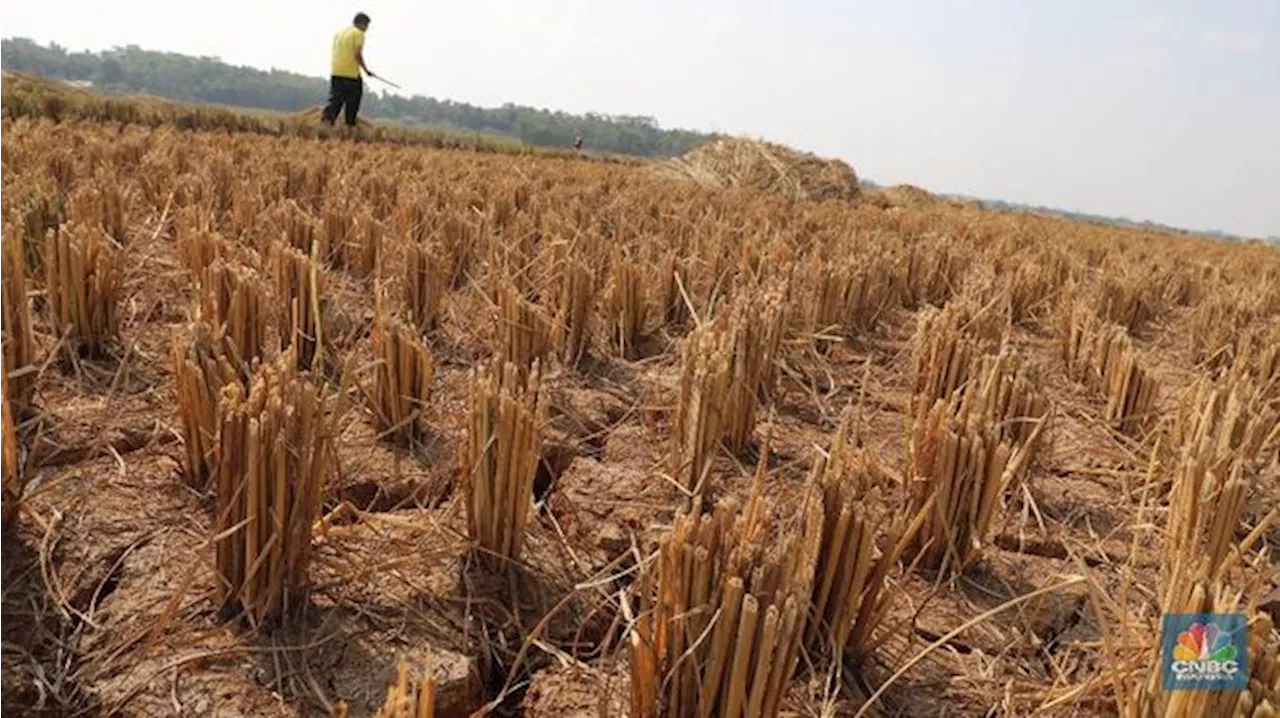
(755, 325)
(1131, 393)
(12, 484)
(829, 298)
(526, 332)
(411, 221)
(1193, 591)
(1263, 697)
(1033, 285)
(1257, 357)
(463, 241)
(1228, 420)
(84, 275)
(961, 465)
(573, 316)
(849, 600)
(1079, 335)
(382, 193)
(247, 213)
(275, 452)
(233, 301)
(335, 228)
(200, 370)
(673, 274)
(1200, 549)
(424, 286)
(500, 459)
(300, 284)
(1102, 356)
(199, 247)
(846, 297)
(727, 621)
(410, 697)
(361, 246)
(1200, 545)
(868, 292)
(1128, 301)
(1220, 329)
(101, 204)
(1178, 287)
(39, 215)
(19, 347)
(931, 274)
(62, 168)
(1205, 508)
(700, 419)
(515, 257)
(1222, 450)
(627, 305)
(302, 231)
(945, 355)
(405, 373)
(1005, 393)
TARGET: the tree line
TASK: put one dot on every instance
(132, 70)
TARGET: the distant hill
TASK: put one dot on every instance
(133, 70)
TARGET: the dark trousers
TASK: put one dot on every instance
(344, 92)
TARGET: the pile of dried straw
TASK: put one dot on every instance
(739, 162)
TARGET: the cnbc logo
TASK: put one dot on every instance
(1205, 652)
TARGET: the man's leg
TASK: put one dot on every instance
(354, 93)
(335, 101)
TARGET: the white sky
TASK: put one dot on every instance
(1152, 110)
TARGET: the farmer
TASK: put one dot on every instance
(345, 86)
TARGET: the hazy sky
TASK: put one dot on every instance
(1153, 110)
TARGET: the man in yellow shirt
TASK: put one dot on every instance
(345, 86)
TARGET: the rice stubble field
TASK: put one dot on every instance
(296, 425)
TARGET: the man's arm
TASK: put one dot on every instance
(360, 60)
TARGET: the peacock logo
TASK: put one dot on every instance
(1205, 652)
(1204, 642)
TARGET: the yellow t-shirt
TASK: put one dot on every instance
(345, 46)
